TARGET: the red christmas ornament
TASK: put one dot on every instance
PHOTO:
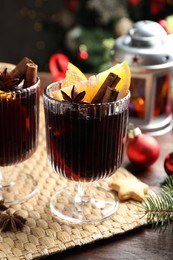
(135, 2)
(142, 150)
(164, 24)
(168, 164)
(72, 5)
(83, 55)
(157, 6)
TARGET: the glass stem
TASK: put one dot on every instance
(5, 178)
(80, 196)
(1, 183)
(80, 189)
(1, 176)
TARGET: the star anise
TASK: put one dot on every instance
(7, 83)
(2, 206)
(11, 222)
(75, 96)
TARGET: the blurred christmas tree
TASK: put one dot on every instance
(99, 22)
(90, 41)
(84, 30)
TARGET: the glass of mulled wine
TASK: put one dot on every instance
(84, 144)
(19, 116)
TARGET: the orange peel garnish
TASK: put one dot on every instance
(93, 83)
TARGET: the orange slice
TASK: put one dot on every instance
(93, 84)
(7, 95)
(73, 75)
(89, 89)
(123, 71)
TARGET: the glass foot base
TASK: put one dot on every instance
(96, 205)
(19, 188)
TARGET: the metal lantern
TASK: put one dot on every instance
(149, 51)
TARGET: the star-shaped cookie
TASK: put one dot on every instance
(129, 188)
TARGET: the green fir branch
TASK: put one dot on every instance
(159, 208)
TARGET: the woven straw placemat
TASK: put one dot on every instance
(45, 234)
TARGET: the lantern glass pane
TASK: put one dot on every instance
(137, 104)
(162, 101)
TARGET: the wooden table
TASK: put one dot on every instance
(142, 243)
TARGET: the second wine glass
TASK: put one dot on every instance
(19, 116)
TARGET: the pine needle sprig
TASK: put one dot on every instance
(159, 208)
(168, 186)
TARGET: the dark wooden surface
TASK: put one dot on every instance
(142, 243)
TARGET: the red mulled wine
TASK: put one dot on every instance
(85, 141)
(19, 114)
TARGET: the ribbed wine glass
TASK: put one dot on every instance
(84, 144)
(19, 117)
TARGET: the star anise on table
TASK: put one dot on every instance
(75, 96)
(2, 206)
(11, 222)
(7, 83)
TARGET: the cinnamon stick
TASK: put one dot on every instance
(110, 95)
(111, 81)
(31, 74)
(19, 71)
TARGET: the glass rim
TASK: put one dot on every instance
(45, 94)
(23, 90)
